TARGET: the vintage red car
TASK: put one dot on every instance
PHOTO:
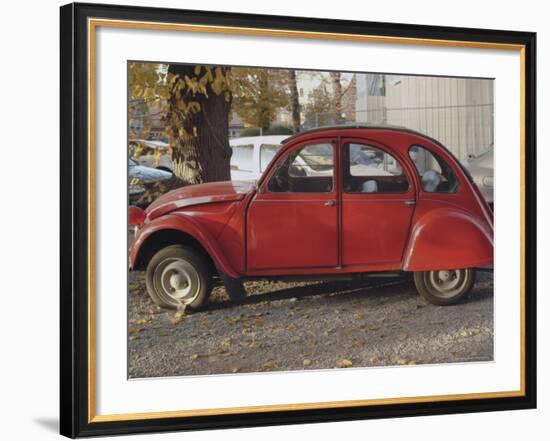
(334, 202)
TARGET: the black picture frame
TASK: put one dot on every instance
(74, 353)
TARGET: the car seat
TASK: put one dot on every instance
(369, 186)
(430, 181)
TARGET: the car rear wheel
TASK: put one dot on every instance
(444, 287)
(178, 276)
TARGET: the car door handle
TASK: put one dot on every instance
(410, 202)
(330, 203)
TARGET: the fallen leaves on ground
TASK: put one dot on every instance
(134, 329)
(468, 332)
(306, 362)
(270, 365)
(345, 363)
(179, 315)
(235, 320)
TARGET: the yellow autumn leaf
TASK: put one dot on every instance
(345, 363)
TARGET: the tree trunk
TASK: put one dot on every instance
(336, 97)
(199, 139)
(294, 101)
(264, 110)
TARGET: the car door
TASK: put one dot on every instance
(292, 222)
(378, 200)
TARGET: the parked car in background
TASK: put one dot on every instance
(481, 168)
(152, 153)
(313, 214)
(251, 155)
(139, 175)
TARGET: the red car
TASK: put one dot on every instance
(334, 202)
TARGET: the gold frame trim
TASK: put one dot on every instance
(92, 25)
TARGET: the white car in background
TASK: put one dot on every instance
(251, 155)
(481, 167)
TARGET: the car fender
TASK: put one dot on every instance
(448, 238)
(185, 224)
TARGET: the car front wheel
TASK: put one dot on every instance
(178, 276)
(444, 287)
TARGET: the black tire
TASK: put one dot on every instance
(176, 276)
(444, 287)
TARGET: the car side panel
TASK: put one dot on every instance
(374, 229)
(180, 221)
(292, 233)
(213, 217)
(232, 237)
(445, 236)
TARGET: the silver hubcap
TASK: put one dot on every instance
(447, 283)
(178, 280)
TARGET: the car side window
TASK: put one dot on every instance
(372, 170)
(436, 176)
(309, 169)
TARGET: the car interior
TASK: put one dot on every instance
(436, 175)
(371, 170)
(295, 179)
(368, 170)
(306, 170)
(375, 184)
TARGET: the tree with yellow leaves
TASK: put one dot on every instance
(197, 102)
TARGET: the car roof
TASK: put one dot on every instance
(355, 126)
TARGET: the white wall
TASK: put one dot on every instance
(458, 112)
(29, 219)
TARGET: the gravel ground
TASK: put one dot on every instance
(289, 326)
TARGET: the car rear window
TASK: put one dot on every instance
(436, 176)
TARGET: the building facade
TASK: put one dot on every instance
(458, 112)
